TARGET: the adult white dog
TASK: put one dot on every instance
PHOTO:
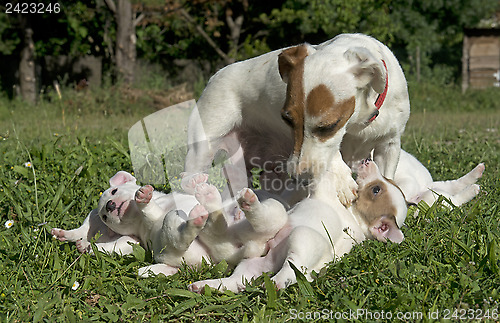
(305, 104)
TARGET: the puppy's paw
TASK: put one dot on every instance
(247, 199)
(198, 216)
(478, 171)
(280, 283)
(466, 195)
(83, 246)
(59, 234)
(199, 286)
(144, 194)
(189, 182)
(208, 196)
(476, 189)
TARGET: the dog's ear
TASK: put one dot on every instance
(366, 68)
(291, 58)
(387, 229)
(120, 178)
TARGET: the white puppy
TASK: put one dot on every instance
(302, 102)
(321, 229)
(108, 240)
(417, 184)
(233, 239)
(128, 213)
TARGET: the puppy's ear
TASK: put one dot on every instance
(387, 229)
(366, 68)
(121, 178)
(291, 58)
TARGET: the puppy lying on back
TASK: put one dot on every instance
(320, 229)
(128, 213)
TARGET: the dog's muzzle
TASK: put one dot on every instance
(110, 206)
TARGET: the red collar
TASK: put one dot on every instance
(381, 97)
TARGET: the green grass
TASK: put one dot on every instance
(448, 261)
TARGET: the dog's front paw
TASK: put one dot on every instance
(83, 246)
(346, 190)
(144, 194)
(59, 234)
(208, 196)
(189, 182)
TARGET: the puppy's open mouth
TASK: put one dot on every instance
(111, 207)
(382, 228)
(119, 209)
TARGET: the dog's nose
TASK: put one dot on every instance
(110, 206)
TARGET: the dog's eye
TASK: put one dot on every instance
(287, 117)
(326, 130)
(113, 192)
(104, 217)
(375, 190)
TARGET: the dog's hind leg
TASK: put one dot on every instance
(465, 195)
(457, 199)
(453, 187)
(178, 233)
(210, 198)
(268, 216)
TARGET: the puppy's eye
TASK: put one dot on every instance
(113, 192)
(287, 117)
(104, 217)
(375, 190)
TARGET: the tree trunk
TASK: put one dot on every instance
(125, 41)
(235, 30)
(27, 64)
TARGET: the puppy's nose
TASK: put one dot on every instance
(110, 206)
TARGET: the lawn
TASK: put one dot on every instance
(57, 157)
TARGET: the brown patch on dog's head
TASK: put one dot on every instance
(376, 207)
(321, 104)
(291, 69)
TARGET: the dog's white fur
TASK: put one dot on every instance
(417, 184)
(233, 240)
(243, 102)
(152, 215)
(321, 229)
(128, 213)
